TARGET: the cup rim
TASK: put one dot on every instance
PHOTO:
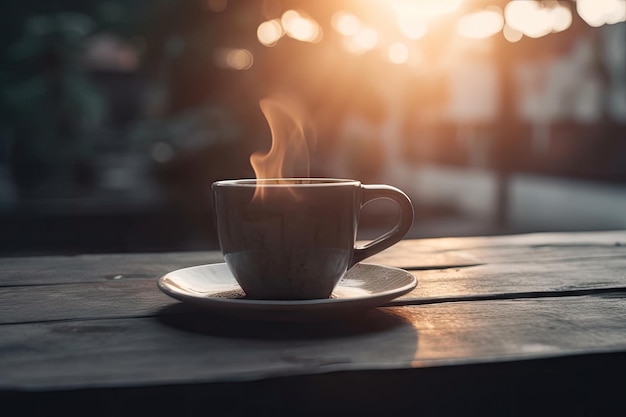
(288, 182)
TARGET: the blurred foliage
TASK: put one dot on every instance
(49, 107)
(53, 112)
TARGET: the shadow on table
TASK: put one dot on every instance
(198, 320)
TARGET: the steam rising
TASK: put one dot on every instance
(288, 156)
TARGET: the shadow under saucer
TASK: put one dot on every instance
(192, 318)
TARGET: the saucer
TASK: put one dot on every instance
(213, 287)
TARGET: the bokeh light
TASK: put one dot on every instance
(424, 9)
(398, 53)
(599, 12)
(512, 35)
(162, 152)
(270, 32)
(482, 24)
(345, 23)
(534, 20)
(234, 59)
(301, 27)
(365, 40)
(413, 27)
(413, 16)
(540, 24)
(561, 18)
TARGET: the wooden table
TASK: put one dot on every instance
(507, 325)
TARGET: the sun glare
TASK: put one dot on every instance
(424, 9)
(413, 16)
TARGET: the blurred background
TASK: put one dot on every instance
(494, 116)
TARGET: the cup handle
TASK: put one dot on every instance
(393, 236)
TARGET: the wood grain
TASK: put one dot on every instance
(132, 297)
(99, 320)
(113, 286)
(46, 270)
(505, 278)
(533, 247)
(113, 299)
(187, 346)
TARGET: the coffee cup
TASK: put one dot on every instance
(294, 238)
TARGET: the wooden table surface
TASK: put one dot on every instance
(505, 325)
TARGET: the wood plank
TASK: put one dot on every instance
(110, 299)
(533, 247)
(51, 270)
(420, 254)
(99, 321)
(45, 270)
(583, 273)
(140, 297)
(183, 345)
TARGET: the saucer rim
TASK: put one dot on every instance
(235, 303)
